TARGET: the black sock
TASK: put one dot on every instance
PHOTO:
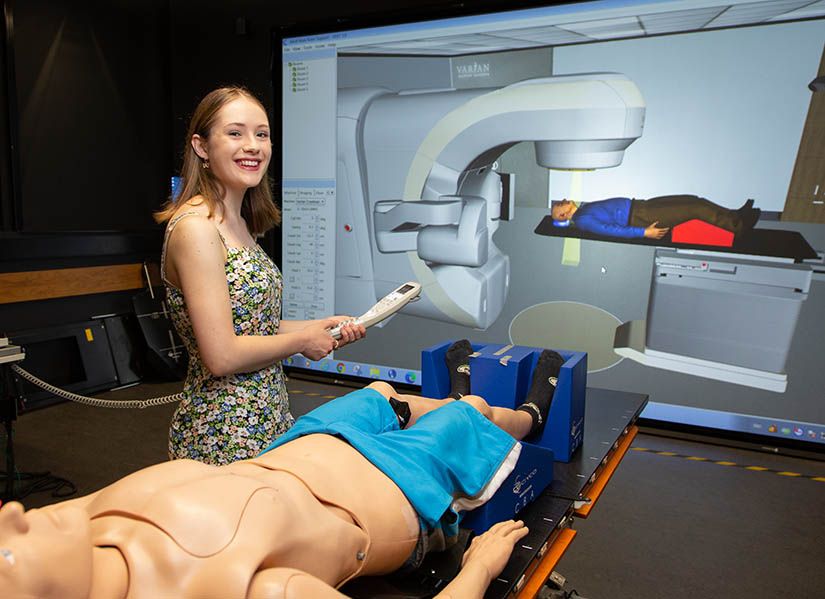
(746, 206)
(402, 411)
(458, 367)
(542, 388)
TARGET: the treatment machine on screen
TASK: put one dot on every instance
(417, 171)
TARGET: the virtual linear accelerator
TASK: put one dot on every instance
(415, 179)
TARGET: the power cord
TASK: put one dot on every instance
(37, 482)
(547, 593)
(553, 588)
(93, 401)
(40, 482)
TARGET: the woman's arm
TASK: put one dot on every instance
(349, 333)
(291, 326)
(197, 255)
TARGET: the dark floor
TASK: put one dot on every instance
(667, 526)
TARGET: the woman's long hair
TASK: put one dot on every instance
(258, 209)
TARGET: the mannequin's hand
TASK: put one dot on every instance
(655, 232)
(492, 549)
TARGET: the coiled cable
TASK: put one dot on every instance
(93, 401)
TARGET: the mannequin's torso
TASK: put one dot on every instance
(302, 506)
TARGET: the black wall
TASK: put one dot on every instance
(92, 92)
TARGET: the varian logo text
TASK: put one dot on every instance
(476, 69)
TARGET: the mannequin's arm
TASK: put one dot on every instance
(289, 583)
(484, 560)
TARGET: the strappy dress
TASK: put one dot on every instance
(229, 418)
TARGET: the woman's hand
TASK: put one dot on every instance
(349, 332)
(318, 343)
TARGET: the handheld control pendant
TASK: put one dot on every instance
(386, 307)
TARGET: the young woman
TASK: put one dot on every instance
(224, 292)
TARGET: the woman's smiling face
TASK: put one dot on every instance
(238, 147)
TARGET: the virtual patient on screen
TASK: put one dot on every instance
(653, 218)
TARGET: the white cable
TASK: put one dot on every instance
(94, 402)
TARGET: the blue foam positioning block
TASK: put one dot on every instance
(501, 374)
(532, 474)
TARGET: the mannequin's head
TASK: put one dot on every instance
(44, 552)
(562, 210)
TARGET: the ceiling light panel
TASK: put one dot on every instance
(813, 9)
(756, 12)
(548, 34)
(607, 28)
(680, 20)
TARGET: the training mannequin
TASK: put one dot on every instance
(299, 520)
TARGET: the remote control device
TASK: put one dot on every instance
(386, 307)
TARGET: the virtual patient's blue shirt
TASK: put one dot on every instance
(450, 452)
(607, 217)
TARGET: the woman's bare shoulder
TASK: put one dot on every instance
(192, 227)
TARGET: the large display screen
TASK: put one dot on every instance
(431, 151)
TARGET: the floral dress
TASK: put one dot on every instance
(228, 418)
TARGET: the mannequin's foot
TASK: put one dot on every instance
(543, 386)
(458, 366)
(746, 206)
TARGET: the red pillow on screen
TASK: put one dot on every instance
(699, 232)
